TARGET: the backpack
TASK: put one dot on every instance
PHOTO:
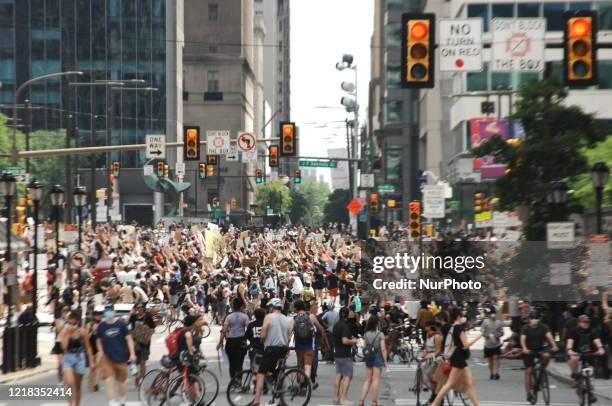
(172, 341)
(303, 329)
(449, 344)
(369, 351)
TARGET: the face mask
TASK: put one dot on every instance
(109, 314)
(462, 320)
(534, 322)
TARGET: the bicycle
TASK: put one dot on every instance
(539, 382)
(419, 382)
(187, 389)
(288, 384)
(585, 388)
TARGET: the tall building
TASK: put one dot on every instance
(107, 40)
(449, 110)
(223, 90)
(393, 113)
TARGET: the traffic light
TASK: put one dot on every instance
(287, 130)
(391, 203)
(116, 168)
(160, 169)
(20, 213)
(258, 176)
(297, 176)
(273, 155)
(414, 221)
(215, 202)
(479, 202)
(191, 143)
(211, 159)
(418, 40)
(166, 171)
(233, 203)
(202, 170)
(374, 203)
(210, 171)
(580, 48)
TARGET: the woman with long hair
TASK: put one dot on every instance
(75, 345)
(460, 373)
(375, 363)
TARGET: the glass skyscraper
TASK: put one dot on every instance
(107, 40)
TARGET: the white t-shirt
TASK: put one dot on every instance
(298, 287)
(142, 296)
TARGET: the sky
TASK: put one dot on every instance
(321, 32)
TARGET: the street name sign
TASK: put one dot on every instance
(386, 188)
(155, 147)
(460, 45)
(217, 142)
(560, 235)
(518, 44)
(318, 164)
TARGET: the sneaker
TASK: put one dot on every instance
(530, 398)
(315, 385)
(492, 377)
(592, 398)
(497, 377)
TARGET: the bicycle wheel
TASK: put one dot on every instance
(534, 388)
(449, 399)
(294, 388)
(205, 330)
(212, 386)
(178, 395)
(418, 385)
(152, 391)
(241, 389)
(464, 399)
(544, 387)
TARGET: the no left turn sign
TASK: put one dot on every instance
(246, 142)
(78, 259)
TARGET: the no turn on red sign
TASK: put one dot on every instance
(460, 45)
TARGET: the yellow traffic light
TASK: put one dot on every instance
(479, 202)
(191, 143)
(287, 139)
(374, 203)
(418, 40)
(414, 221)
(391, 204)
(211, 159)
(166, 171)
(233, 203)
(210, 171)
(580, 48)
(273, 156)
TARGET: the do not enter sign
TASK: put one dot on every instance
(461, 45)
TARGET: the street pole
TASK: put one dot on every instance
(349, 154)
(598, 204)
(195, 183)
(109, 129)
(92, 169)
(80, 214)
(35, 281)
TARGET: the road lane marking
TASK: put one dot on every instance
(405, 401)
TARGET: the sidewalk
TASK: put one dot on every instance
(561, 372)
(48, 363)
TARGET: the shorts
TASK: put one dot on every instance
(376, 362)
(174, 300)
(75, 361)
(118, 370)
(271, 356)
(489, 352)
(529, 359)
(344, 366)
(221, 309)
(142, 352)
(304, 357)
(333, 292)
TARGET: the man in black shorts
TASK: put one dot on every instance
(534, 337)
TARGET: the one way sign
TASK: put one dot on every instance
(156, 147)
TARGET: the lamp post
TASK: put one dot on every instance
(558, 197)
(599, 175)
(57, 201)
(7, 188)
(80, 199)
(34, 191)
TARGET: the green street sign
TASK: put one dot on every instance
(318, 164)
(386, 188)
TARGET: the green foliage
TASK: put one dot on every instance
(335, 209)
(299, 207)
(274, 193)
(556, 136)
(315, 196)
(584, 193)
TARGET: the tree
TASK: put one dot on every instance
(275, 194)
(582, 185)
(556, 135)
(299, 208)
(315, 194)
(335, 209)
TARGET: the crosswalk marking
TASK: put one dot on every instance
(399, 402)
(401, 368)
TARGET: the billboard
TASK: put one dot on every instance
(481, 130)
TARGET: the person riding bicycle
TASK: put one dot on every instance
(534, 337)
(582, 340)
(276, 332)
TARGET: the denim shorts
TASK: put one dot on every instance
(376, 362)
(344, 366)
(76, 362)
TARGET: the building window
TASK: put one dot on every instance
(605, 74)
(554, 70)
(501, 80)
(604, 10)
(553, 12)
(394, 34)
(213, 44)
(479, 10)
(528, 10)
(502, 11)
(185, 95)
(394, 76)
(394, 5)
(393, 163)
(477, 81)
(580, 5)
(213, 12)
(213, 81)
(394, 111)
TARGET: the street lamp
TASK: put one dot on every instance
(558, 197)
(80, 199)
(599, 175)
(7, 188)
(57, 201)
(34, 192)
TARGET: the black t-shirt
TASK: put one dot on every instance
(535, 337)
(396, 316)
(583, 340)
(332, 281)
(341, 329)
(253, 334)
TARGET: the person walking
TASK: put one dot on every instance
(304, 332)
(375, 340)
(343, 341)
(116, 348)
(75, 345)
(456, 350)
(233, 332)
(142, 328)
(492, 330)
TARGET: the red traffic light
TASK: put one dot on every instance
(419, 30)
(580, 27)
